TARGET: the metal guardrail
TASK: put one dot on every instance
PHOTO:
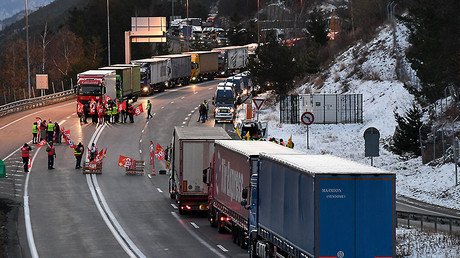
(447, 224)
(25, 104)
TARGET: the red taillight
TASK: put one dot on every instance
(228, 218)
(188, 207)
(222, 218)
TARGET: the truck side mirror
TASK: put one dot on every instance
(205, 176)
(244, 193)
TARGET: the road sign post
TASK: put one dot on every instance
(258, 103)
(307, 118)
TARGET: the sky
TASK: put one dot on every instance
(9, 8)
(382, 94)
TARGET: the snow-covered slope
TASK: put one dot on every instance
(370, 69)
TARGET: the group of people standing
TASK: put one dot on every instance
(203, 109)
(47, 131)
(111, 112)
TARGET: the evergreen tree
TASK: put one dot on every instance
(317, 28)
(406, 136)
(274, 68)
(435, 44)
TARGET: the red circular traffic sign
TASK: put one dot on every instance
(307, 118)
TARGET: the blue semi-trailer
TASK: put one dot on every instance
(320, 206)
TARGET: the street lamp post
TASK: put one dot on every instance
(27, 47)
(108, 33)
(258, 24)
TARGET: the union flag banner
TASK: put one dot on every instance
(138, 110)
(124, 161)
(122, 105)
(100, 156)
(41, 144)
(159, 152)
(79, 107)
(39, 121)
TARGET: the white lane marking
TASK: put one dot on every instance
(149, 176)
(162, 107)
(29, 232)
(140, 151)
(212, 249)
(154, 114)
(210, 88)
(63, 121)
(159, 190)
(172, 102)
(68, 117)
(184, 123)
(174, 206)
(194, 225)
(186, 118)
(120, 235)
(140, 140)
(189, 114)
(222, 248)
(143, 130)
(195, 92)
(19, 119)
(182, 98)
(182, 126)
(195, 109)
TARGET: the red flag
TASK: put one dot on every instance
(122, 106)
(41, 144)
(100, 156)
(38, 120)
(122, 161)
(107, 99)
(138, 110)
(79, 107)
(159, 152)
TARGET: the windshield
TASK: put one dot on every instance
(224, 97)
(91, 90)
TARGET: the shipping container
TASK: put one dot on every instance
(321, 206)
(192, 152)
(127, 79)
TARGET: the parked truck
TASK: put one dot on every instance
(127, 81)
(235, 162)
(192, 152)
(94, 85)
(179, 68)
(204, 65)
(318, 206)
(232, 59)
(154, 74)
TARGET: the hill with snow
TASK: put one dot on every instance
(370, 69)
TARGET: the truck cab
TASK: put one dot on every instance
(224, 101)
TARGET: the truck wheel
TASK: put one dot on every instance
(220, 225)
(181, 211)
(235, 234)
(212, 218)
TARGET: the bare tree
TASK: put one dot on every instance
(44, 44)
(67, 51)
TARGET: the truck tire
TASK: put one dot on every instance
(212, 218)
(220, 227)
(181, 211)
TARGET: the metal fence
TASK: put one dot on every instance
(431, 223)
(289, 109)
(35, 102)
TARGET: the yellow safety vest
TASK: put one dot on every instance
(34, 128)
(50, 127)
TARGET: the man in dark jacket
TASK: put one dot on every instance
(78, 152)
(51, 155)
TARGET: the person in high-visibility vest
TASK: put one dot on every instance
(115, 112)
(109, 113)
(50, 130)
(35, 133)
(78, 152)
(149, 109)
(25, 154)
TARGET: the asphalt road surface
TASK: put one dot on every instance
(111, 215)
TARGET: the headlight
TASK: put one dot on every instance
(245, 91)
(232, 110)
(193, 78)
(145, 89)
(216, 110)
(222, 73)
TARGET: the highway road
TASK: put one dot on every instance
(68, 214)
(110, 215)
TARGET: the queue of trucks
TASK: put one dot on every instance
(279, 202)
(155, 74)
